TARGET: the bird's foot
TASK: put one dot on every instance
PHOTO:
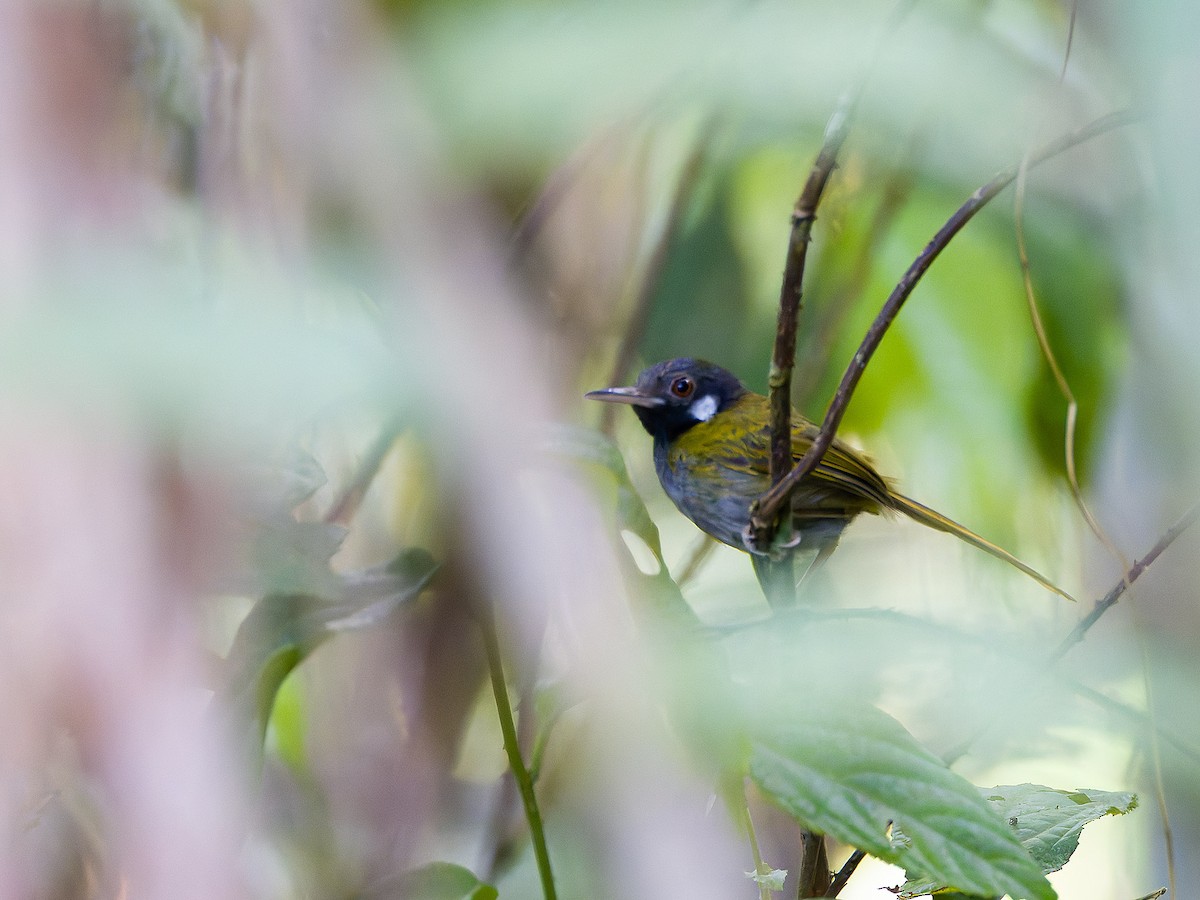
(777, 552)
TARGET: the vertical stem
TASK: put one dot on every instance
(814, 866)
(512, 747)
(760, 867)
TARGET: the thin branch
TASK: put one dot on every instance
(1060, 380)
(1062, 75)
(1101, 607)
(767, 507)
(701, 550)
(814, 865)
(531, 223)
(348, 502)
(844, 873)
(1071, 426)
(804, 214)
(533, 815)
(636, 328)
(1135, 571)
(820, 339)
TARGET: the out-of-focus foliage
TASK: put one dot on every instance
(239, 241)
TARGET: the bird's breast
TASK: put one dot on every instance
(711, 480)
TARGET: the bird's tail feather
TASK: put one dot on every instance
(938, 522)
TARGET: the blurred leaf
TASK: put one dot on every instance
(550, 701)
(692, 675)
(1046, 821)
(700, 307)
(848, 771)
(590, 447)
(281, 630)
(128, 328)
(293, 557)
(300, 476)
(436, 881)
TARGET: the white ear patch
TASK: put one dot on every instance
(704, 409)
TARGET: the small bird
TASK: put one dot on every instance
(712, 450)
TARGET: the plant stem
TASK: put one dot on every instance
(760, 867)
(512, 747)
(767, 508)
(844, 873)
(814, 865)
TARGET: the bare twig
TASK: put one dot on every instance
(1101, 607)
(348, 502)
(1062, 76)
(702, 549)
(783, 357)
(844, 873)
(804, 214)
(767, 508)
(1064, 386)
(652, 275)
(530, 224)
(814, 865)
(1108, 600)
(819, 339)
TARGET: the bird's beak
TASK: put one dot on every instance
(631, 395)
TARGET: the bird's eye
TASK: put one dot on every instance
(683, 387)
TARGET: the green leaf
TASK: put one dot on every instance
(436, 881)
(1048, 821)
(281, 630)
(849, 771)
(1045, 820)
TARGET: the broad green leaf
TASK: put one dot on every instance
(849, 771)
(281, 630)
(436, 881)
(1045, 820)
(1048, 821)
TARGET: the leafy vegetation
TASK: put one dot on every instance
(323, 580)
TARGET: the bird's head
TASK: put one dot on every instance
(673, 396)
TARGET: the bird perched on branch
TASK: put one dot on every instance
(712, 450)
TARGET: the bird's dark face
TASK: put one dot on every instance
(673, 396)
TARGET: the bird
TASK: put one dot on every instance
(712, 450)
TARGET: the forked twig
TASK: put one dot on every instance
(767, 507)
